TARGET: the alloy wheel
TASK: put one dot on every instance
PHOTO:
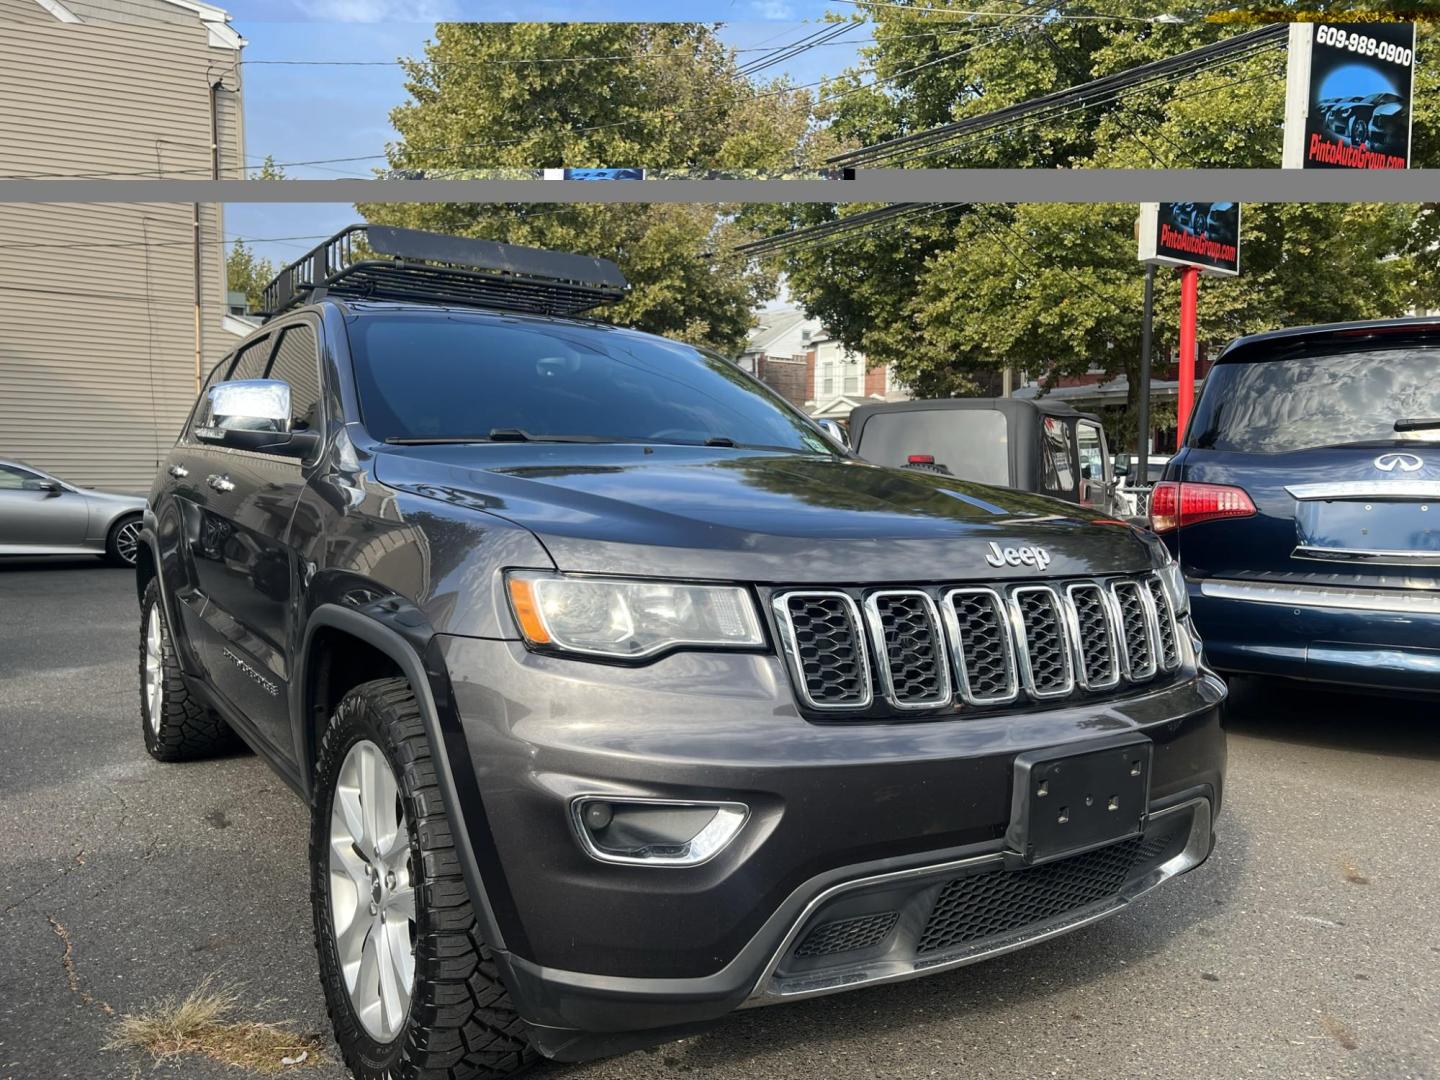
(372, 894)
(127, 542)
(154, 670)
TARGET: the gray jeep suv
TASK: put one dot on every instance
(621, 696)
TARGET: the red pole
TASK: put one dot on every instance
(1189, 294)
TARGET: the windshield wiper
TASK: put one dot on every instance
(1418, 423)
(507, 434)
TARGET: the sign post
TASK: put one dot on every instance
(1349, 88)
(1198, 238)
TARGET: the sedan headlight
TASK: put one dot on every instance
(1174, 582)
(630, 619)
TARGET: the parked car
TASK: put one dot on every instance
(41, 514)
(1132, 492)
(1374, 120)
(1029, 445)
(1304, 507)
(622, 696)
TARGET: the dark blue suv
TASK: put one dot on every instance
(1304, 507)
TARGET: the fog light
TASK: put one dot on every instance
(655, 832)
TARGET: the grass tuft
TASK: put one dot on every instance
(206, 1022)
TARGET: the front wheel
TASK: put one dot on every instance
(122, 545)
(411, 987)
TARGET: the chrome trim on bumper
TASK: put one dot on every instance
(1394, 601)
(1368, 489)
(1386, 556)
(883, 970)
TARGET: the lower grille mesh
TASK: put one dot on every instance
(983, 905)
(847, 935)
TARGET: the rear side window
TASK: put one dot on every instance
(297, 363)
(1300, 402)
(973, 444)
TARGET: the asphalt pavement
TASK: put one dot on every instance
(1307, 947)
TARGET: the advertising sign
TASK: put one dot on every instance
(1203, 234)
(594, 174)
(1348, 94)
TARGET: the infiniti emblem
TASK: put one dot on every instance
(1404, 462)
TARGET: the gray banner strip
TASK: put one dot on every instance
(869, 185)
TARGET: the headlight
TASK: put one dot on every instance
(1174, 582)
(630, 619)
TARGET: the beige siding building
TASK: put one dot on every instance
(107, 311)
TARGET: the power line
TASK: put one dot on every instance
(90, 246)
(1168, 70)
(667, 114)
(1046, 16)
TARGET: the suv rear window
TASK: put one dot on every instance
(1330, 399)
(972, 443)
(454, 376)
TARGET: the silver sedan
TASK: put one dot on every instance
(43, 515)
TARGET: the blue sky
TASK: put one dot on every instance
(300, 113)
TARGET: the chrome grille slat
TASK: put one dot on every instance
(1044, 648)
(1096, 644)
(983, 647)
(909, 648)
(823, 637)
(980, 645)
(1167, 634)
(1137, 628)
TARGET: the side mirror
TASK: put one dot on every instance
(50, 487)
(254, 414)
(1121, 465)
(835, 431)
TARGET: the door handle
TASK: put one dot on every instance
(179, 472)
(220, 482)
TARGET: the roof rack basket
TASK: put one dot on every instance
(383, 262)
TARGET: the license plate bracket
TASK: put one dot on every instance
(1068, 800)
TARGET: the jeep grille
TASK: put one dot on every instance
(931, 649)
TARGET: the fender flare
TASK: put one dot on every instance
(459, 809)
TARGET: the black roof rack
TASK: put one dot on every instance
(384, 262)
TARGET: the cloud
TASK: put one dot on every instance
(371, 11)
(773, 9)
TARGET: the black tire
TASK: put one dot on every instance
(461, 1024)
(121, 550)
(185, 728)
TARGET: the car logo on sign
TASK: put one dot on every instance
(1037, 557)
(1403, 462)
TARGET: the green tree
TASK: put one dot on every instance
(1055, 289)
(665, 96)
(245, 272)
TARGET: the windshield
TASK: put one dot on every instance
(1274, 406)
(458, 377)
(972, 444)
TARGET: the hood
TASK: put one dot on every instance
(728, 514)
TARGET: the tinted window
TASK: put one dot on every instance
(457, 376)
(1055, 456)
(251, 363)
(974, 444)
(296, 363)
(1273, 406)
(13, 479)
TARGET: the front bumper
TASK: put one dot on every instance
(1382, 639)
(840, 813)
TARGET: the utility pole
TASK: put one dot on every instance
(1147, 333)
(1189, 296)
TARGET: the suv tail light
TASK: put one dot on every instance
(1175, 505)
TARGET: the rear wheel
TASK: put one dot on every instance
(411, 986)
(177, 727)
(122, 545)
